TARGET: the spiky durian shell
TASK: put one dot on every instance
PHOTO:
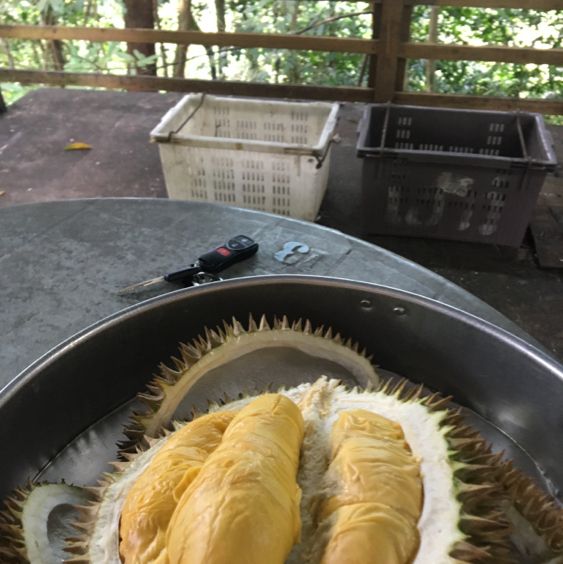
(24, 522)
(537, 518)
(220, 346)
(483, 530)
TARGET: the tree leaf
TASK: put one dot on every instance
(78, 146)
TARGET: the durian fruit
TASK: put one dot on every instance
(35, 522)
(429, 496)
(223, 345)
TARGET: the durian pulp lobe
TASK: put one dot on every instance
(321, 404)
(236, 346)
(153, 497)
(38, 509)
(243, 507)
(425, 434)
(374, 492)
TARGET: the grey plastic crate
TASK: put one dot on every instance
(452, 174)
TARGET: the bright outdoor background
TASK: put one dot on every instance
(470, 26)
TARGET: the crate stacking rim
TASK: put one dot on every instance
(266, 155)
(452, 174)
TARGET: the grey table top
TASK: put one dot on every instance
(62, 263)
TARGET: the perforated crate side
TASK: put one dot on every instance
(288, 123)
(452, 174)
(487, 205)
(289, 185)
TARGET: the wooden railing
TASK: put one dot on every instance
(387, 51)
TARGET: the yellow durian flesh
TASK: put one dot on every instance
(243, 507)
(151, 501)
(375, 497)
(426, 428)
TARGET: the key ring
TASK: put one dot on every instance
(203, 278)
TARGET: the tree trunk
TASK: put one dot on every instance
(184, 15)
(186, 22)
(55, 47)
(220, 17)
(139, 13)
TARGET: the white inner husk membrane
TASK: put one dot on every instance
(321, 404)
(44, 536)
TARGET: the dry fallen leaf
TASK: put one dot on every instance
(78, 146)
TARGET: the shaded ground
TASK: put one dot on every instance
(34, 167)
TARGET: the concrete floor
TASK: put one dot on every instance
(34, 167)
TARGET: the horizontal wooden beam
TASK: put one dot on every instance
(243, 40)
(519, 4)
(522, 55)
(522, 4)
(497, 103)
(151, 83)
(342, 94)
(295, 42)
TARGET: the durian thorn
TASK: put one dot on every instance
(399, 388)
(264, 325)
(298, 325)
(437, 402)
(414, 394)
(252, 327)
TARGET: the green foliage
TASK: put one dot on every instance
(469, 26)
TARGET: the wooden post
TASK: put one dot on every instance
(387, 59)
(432, 38)
(375, 33)
(405, 36)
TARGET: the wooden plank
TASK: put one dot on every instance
(547, 106)
(518, 4)
(521, 4)
(547, 232)
(345, 94)
(389, 42)
(522, 55)
(150, 83)
(243, 40)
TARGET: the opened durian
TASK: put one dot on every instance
(317, 473)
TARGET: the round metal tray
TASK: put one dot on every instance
(62, 416)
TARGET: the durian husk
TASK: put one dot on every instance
(23, 528)
(219, 346)
(539, 511)
(483, 534)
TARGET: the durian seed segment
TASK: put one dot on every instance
(225, 344)
(152, 499)
(36, 521)
(243, 507)
(374, 493)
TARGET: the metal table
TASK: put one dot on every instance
(62, 263)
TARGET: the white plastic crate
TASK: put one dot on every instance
(260, 154)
